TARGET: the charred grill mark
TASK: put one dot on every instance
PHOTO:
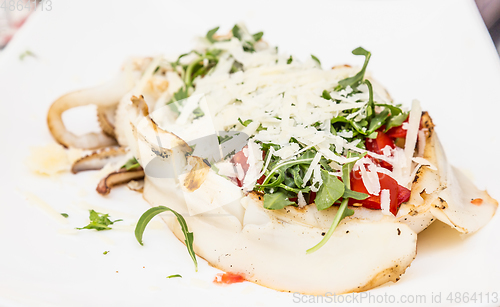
(197, 175)
(442, 204)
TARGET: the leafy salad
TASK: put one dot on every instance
(365, 128)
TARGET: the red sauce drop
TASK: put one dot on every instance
(228, 278)
(477, 201)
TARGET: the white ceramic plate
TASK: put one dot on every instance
(436, 51)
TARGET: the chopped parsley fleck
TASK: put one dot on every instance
(99, 221)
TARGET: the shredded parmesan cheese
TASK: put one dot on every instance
(310, 170)
(301, 200)
(411, 135)
(369, 176)
(385, 201)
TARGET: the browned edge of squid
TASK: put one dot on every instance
(98, 159)
(105, 96)
(119, 177)
(106, 119)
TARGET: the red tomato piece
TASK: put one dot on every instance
(396, 132)
(376, 146)
(398, 194)
(240, 158)
(403, 196)
(312, 197)
(228, 278)
(261, 179)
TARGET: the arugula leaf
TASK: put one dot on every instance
(131, 164)
(316, 59)
(347, 168)
(324, 162)
(257, 36)
(276, 201)
(342, 212)
(173, 276)
(396, 121)
(245, 123)
(394, 109)
(277, 181)
(224, 138)
(288, 183)
(355, 80)
(232, 153)
(198, 113)
(180, 57)
(237, 66)
(370, 107)
(248, 46)
(297, 178)
(210, 35)
(99, 221)
(182, 93)
(279, 168)
(326, 95)
(236, 32)
(260, 128)
(293, 190)
(378, 120)
(358, 127)
(331, 190)
(149, 214)
(348, 193)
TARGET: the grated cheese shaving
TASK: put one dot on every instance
(369, 175)
(310, 170)
(411, 136)
(385, 201)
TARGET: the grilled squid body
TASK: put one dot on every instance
(235, 233)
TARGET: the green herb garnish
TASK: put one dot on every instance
(342, 212)
(131, 164)
(396, 121)
(99, 221)
(223, 139)
(148, 215)
(210, 35)
(355, 80)
(245, 123)
(316, 59)
(330, 191)
(198, 112)
(26, 54)
(257, 36)
(276, 201)
(248, 46)
(65, 215)
(236, 32)
(174, 276)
